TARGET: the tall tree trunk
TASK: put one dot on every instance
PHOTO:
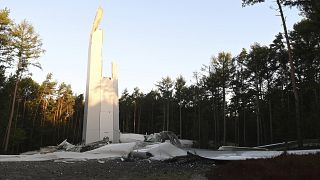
(283, 112)
(152, 118)
(59, 133)
(124, 120)
(164, 117)
(287, 135)
(234, 117)
(139, 120)
(128, 121)
(180, 120)
(263, 130)
(15, 123)
(75, 119)
(292, 75)
(218, 118)
(238, 128)
(168, 114)
(317, 109)
(23, 112)
(237, 123)
(215, 124)
(194, 125)
(11, 115)
(270, 121)
(244, 127)
(257, 112)
(199, 121)
(224, 115)
(134, 117)
(80, 126)
(42, 125)
(34, 121)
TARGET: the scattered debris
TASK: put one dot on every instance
(165, 151)
(136, 154)
(186, 143)
(44, 150)
(160, 151)
(66, 146)
(115, 150)
(94, 145)
(107, 151)
(163, 137)
(161, 146)
(293, 145)
(130, 137)
(234, 148)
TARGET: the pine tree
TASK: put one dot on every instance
(27, 47)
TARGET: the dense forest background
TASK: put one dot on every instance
(245, 99)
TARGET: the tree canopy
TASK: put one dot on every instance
(243, 99)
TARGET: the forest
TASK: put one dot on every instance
(32, 115)
(265, 94)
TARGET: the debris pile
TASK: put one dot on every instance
(163, 137)
(158, 146)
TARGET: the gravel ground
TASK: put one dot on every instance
(179, 168)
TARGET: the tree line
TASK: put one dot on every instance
(32, 115)
(264, 94)
(247, 99)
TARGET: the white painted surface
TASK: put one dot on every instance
(101, 116)
(243, 155)
(131, 137)
(91, 126)
(107, 151)
(160, 151)
(186, 143)
(163, 151)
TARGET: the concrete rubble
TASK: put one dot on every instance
(158, 146)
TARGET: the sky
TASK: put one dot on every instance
(148, 39)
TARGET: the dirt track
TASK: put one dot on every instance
(185, 168)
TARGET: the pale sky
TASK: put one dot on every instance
(148, 39)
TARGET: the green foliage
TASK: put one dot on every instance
(19, 136)
(309, 8)
(259, 103)
(42, 114)
(27, 46)
(165, 87)
(242, 100)
(251, 2)
(5, 38)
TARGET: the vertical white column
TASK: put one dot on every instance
(109, 115)
(91, 125)
(101, 116)
(116, 131)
